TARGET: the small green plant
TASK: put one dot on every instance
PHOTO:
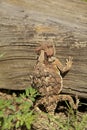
(17, 112)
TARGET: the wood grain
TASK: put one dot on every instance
(24, 24)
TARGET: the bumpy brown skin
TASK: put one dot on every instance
(47, 79)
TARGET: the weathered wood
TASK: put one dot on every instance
(24, 24)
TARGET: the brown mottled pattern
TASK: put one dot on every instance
(46, 79)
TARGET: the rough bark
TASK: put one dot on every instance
(24, 24)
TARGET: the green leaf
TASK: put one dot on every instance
(1, 114)
(27, 92)
(12, 107)
(19, 100)
(17, 124)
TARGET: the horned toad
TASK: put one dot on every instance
(47, 78)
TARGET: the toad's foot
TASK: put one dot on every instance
(69, 62)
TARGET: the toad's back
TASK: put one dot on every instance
(47, 79)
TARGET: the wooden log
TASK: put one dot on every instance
(24, 24)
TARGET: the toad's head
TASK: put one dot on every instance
(48, 48)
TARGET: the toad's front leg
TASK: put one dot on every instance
(60, 66)
(68, 64)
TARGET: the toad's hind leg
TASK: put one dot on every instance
(70, 100)
(49, 103)
(52, 104)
